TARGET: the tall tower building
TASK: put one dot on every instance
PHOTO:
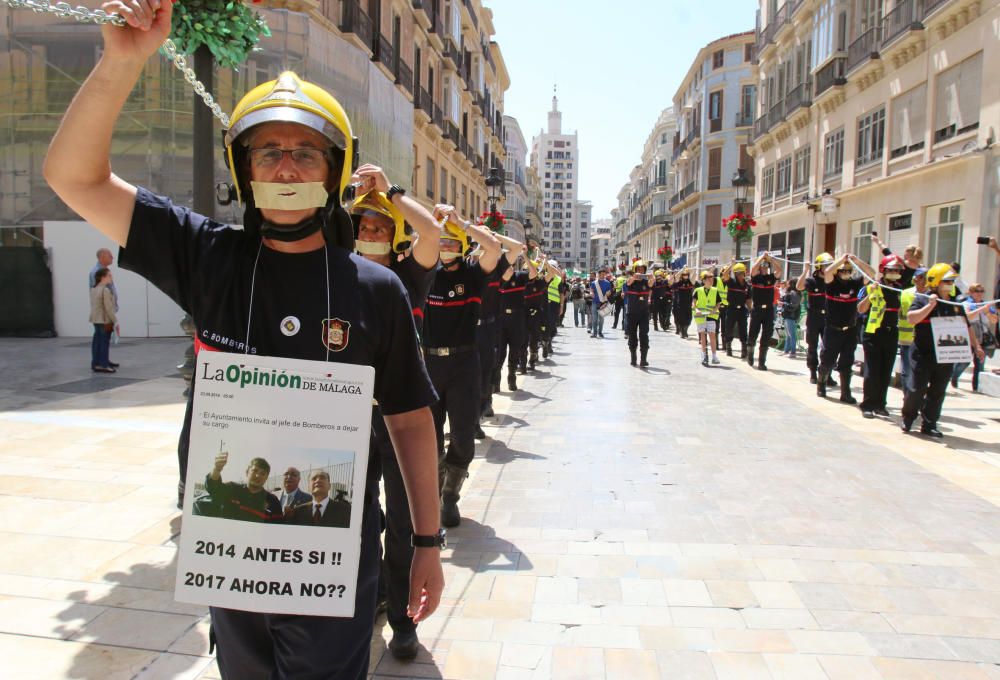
(555, 156)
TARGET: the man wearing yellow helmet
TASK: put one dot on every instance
(815, 287)
(840, 335)
(737, 287)
(928, 377)
(638, 289)
(268, 289)
(451, 351)
(683, 291)
(661, 301)
(763, 276)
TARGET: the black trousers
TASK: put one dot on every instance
(880, 356)
(619, 306)
(486, 341)
(394, 578)
(536, 328)
(928, 384)
(762, 325)
(839, 346)
(661, 314)
(735, 325)
(682, 317)
(638, 328)
(513, 339)
(552, 320)
(456, 380)
(815, 323)
(255, 646)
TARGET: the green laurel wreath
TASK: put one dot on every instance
(230, 30)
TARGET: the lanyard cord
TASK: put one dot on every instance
(253, 283)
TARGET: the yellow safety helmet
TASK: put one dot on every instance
(739, 268)
(824, 259)
(637, 264)
(289, 99)
(706, 273)
(938, 273)
(378, 202)
(453, 232)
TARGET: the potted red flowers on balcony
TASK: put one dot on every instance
(666, 254)
(740, 226)
(493, 220)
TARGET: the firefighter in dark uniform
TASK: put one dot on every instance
(661, 300)
(815, 287)
(487, 337)
(638, 290)
(737, 291)
(534, 307)
(881, 335)
(268, 289)
(763, 276)
(383, 234)
(513, 329)
(452, 355)
(554, 278)
(840, 337)
(928, 377)
(683, 292)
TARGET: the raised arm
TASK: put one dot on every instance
(831, 269)
(78, 163)
(800, 284)
(755, 269)
(491, 246)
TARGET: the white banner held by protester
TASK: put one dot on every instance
(951, 339)
(254, 418)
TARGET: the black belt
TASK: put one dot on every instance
(841, 328)
(487, 320)
(448, 351)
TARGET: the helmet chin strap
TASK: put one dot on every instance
(292, 232)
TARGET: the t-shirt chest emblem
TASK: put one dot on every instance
(290, 326)
(459, 290)
(336, 334)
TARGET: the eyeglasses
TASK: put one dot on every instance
(305, 158)
(977, 290)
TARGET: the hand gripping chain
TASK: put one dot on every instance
(99, 16)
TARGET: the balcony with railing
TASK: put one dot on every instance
(798, 97)
(776, 114)
(930, 6)
(744, 119)
(454, 53)
(760, 126)
(383, 51)
(451, 132)
(831, 75)
(404, 75)
(864, 48)
(422, 100)
(472, 13)
(682, 194)
(437, 118)
(904, 17)
(354, 20)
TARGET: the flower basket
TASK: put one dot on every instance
(666, 254)
(740, 226)
(230, 30)
(494, 221)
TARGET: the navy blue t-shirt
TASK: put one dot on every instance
(208, 268)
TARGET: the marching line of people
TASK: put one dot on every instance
(888, 312)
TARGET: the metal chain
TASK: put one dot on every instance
(100, 17)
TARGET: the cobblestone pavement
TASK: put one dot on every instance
(675, 522)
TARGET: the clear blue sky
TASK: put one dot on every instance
(617, 65)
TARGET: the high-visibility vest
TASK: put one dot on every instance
(877, 310)
(619, 283)
(554, 289)
(905, 327)
(723, 289)
(706, 299)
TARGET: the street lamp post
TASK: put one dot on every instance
(741, 184)
(637, 247)
(493, 183)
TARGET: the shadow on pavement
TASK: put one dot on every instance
(971, 424)
(653, 369)
(525, 395)
(966, 444)
(479, 549)
(140, 618)
(500, 454)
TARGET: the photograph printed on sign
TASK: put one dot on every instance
(299, 487)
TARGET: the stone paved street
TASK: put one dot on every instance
(677, 522)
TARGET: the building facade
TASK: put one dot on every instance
(600, 245)
(584, 221)
(555, 156)
(879, 117)
(714, 105)
(515, 203)
(643, 216)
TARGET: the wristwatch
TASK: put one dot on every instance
(393, 190)
(437, 540)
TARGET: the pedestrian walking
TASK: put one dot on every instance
(763, 276)
(706, 304)
(638, 289)
(734, 278)
(881, 305)
(576, 296)
(683, 292)
(661, 299)
(983, 320)
(840, 336)
(791, 310)
(601, 289)
(102, 316)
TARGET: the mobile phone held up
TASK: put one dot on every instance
(983, 240)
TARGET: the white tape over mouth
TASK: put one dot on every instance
(281, 196)
(372, 247)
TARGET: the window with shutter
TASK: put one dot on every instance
(713, 223)
(956, 109)
(714, 168)
(908, 121)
